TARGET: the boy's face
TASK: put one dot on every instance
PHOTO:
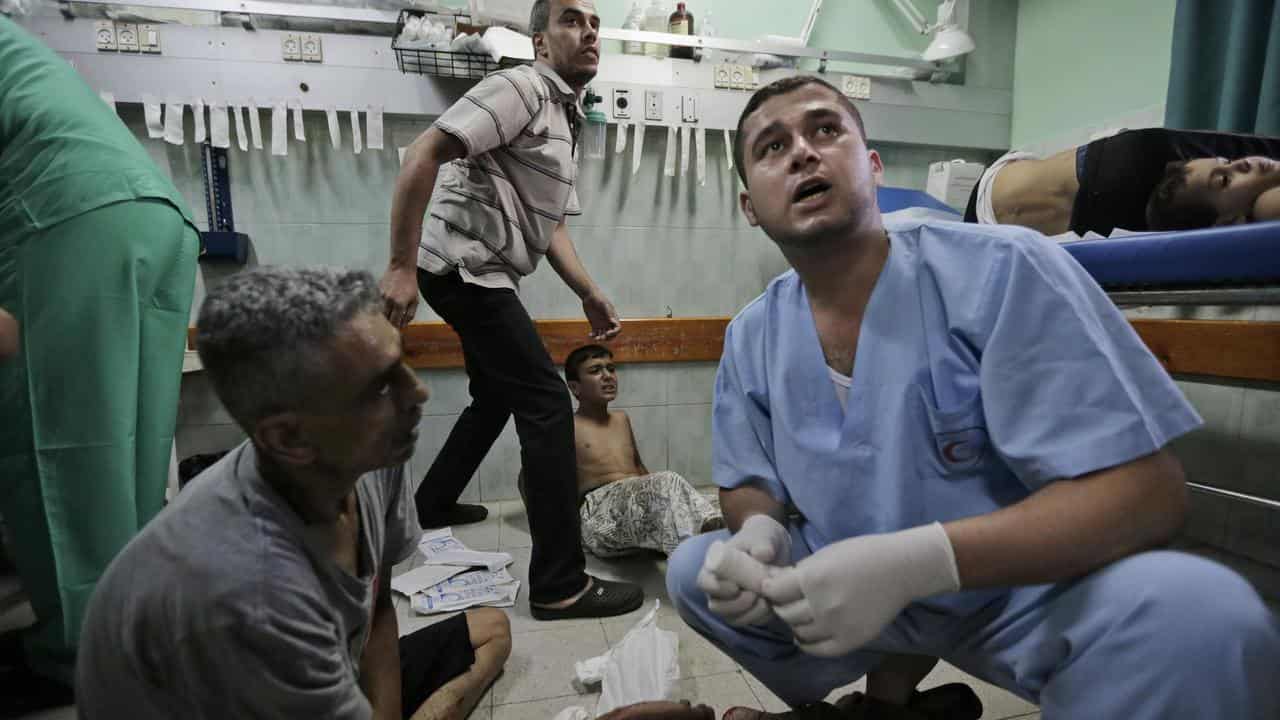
(597, 381)
(1231, 187)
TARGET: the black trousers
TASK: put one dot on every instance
(511, 375)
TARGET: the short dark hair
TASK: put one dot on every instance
(581, 355)
(782, 87)
(539, 16)
(1169, 208)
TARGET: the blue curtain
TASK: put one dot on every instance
(1225, 70)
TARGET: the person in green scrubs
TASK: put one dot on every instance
(97, 264)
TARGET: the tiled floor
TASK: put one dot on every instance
(537, 682)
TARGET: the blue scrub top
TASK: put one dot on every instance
(989, 364)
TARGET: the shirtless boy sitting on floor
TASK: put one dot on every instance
(624, 506)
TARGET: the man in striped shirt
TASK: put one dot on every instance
(503, 155)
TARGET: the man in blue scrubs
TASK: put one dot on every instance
(943, 440)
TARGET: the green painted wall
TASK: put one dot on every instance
(1079, 62)
(870, 26)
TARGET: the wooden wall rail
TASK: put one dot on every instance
(1231, 349)
(1236, 349)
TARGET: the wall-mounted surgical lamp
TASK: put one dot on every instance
(949, 40)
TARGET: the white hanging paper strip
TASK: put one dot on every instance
(620, 143)
(685, 132)
(357, 144)
(197, 110)
(700, 155)
(219, 129)
(151, 111)
(279, 128)
(637, 148)
(299, 132)
(242, 138)
(669, 165)
(373, 127)
(335, 134)
(255, 124)
(173, 123)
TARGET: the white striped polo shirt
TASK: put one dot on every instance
(492, 214)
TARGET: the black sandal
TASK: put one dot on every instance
(603, 599)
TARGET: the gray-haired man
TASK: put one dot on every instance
(263, 591)
(504, 159)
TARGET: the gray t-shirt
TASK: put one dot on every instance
(220, 608)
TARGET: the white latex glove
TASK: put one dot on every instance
(842, 597)
(763, 540)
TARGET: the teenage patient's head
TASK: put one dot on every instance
(309, 367)
(1212, 191)
(592, 375)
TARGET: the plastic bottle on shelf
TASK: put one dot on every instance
(681, 23)
(635, 21)
(655, 20)
(708, 31)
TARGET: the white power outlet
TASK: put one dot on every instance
(104, 34)
(652, 105)
(723, 75)
(290, 47)
(127, 37)
(312, 50)
(857, 87)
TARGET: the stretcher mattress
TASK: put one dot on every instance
(1232, 255)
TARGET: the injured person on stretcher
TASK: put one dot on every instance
(624, 507)
(1153, 179)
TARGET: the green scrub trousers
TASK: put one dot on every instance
(90, 401)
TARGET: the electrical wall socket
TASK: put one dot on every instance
(290, 47)
(652, 105)
(312, 51)
(621, 104)
(104, 34)
(127, 37)
(721, 75)
(149, 39)
(689, 108)
(857, 87)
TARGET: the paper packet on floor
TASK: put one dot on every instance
(421, 578)
(440, 547)
(478, 588)
(644, 666)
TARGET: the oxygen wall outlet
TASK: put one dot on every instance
(622, 104)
